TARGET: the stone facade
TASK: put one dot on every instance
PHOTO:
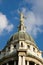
(21, 49)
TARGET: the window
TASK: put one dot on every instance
(33, 49)
(21, 44)
(28, 46)
(14, 46)
(8, 48)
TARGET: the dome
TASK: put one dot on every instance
(21, 36)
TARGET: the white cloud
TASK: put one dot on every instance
(37, 5)
(33, 22)
(4, 24)
(9, 28)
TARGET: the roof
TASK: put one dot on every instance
(21, 36)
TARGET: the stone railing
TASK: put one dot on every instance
(34, 54)
(5, 54)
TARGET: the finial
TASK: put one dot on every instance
(22, 18)
(21, 26)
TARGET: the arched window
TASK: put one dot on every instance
(34, 49)
(21, 44)
(15, 46)
(28, 46)
(8, 48)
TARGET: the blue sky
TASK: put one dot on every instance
(9, 19)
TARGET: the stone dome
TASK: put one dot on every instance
(21, 36)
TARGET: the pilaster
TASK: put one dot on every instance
(23, 60)
(27, 62)
(19, 60)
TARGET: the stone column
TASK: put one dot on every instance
(7, 64)
(19, 60)
(23, 60)
(27, 62)
(14, 62)
(11, 48)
